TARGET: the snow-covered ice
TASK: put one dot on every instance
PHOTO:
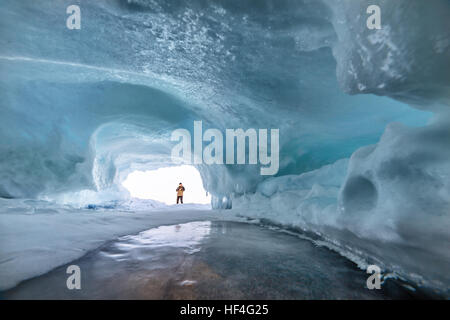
(33, 243)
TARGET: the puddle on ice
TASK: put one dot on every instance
(143, 246)
(209, 260)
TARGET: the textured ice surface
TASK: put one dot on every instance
(79, 110)
(35, 241)
(365, 213)
(408, 58)
(211, 260)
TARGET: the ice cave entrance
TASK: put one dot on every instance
(160, 185)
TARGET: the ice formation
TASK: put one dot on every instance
(81, 109)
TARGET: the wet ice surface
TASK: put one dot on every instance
(210, 260)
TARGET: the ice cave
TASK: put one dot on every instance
(364, 144)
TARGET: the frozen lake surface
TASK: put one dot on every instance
(210, 260)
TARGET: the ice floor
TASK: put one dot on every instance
(210, 260)
(36, 238)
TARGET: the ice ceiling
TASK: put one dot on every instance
(81, 109)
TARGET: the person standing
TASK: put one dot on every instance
(180, 191)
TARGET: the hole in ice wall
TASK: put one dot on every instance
(161, 184)
(359, 194)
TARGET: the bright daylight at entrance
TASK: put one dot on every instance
(160, 185)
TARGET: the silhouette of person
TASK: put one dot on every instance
(180, 191)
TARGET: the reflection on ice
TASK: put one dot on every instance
(211, 260)
(186, 237)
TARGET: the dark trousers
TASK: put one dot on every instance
(180, 198)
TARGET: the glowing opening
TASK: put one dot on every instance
(160, 185)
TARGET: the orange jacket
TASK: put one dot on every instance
(180, 190)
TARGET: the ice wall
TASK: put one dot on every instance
(404, 176)
(83, 108)
(394, 196)
(407, 59)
